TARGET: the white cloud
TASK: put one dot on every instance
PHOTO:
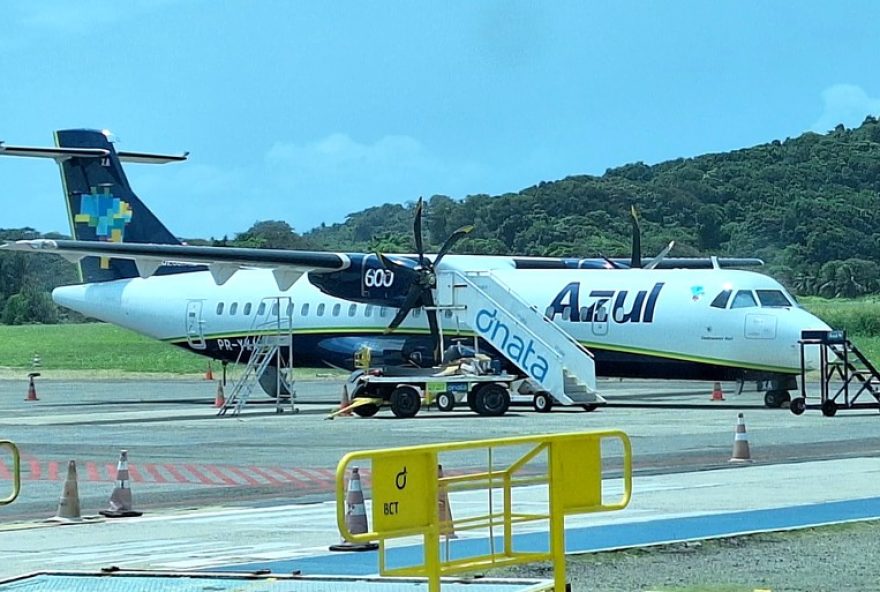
(340, 154)
(82, 15)
(847, 104)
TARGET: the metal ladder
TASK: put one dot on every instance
(521, 333)
(841, 362)
(271, 332)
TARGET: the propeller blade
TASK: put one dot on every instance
(636, 255)
(428, 301)
(412, 298)
(450, 242)
(417, 233)
(660, 256)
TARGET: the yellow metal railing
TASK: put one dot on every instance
(16, 472)
(405, 489)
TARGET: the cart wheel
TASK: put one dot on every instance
(366, 410)
(491, 399)
(543, 401)
(589, 408)
(445, 401)
(798, 405)
(829, 408)
(405, 401)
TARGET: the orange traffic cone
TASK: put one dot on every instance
(220, 399)
(344, 404)
(120, 498)
(444, 510)
(741, 452)
(209, 375)
(32, 390)
(355, 515)
(717, 393)
(68, 505)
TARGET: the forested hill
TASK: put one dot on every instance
(807, 205)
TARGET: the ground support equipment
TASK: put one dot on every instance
(845, 375)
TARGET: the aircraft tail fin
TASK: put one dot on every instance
(101, 204)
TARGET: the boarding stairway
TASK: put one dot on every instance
(269, 344)
(521, 333)
(845, 374)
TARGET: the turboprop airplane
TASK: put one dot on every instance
(708, 324)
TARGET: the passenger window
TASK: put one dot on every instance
(275, 309)
(352, 310)
(743, 299)
(290, 309)
(447, 313)
(417, 312)
(304, 311)
(336, 308)
(261, 310)
(233, 308)
(772, 298)
(383, 312)
(247, 309)
(721, 300)
(368, 311)
(219, 308)
(320, 310)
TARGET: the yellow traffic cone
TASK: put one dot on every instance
(68, 505)
(355, 515)
(120, 498)
(741, 453)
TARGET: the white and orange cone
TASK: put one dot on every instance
(355, 515)
(444, 510)
(32, 389)
(717, 393)
(220, 398)
(120, 498)
(209, 373)
(68, 505)
(741, 452)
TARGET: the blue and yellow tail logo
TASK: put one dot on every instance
(106, 214)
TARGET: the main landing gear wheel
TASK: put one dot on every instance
(776, 398)
(365, 410)
(405, 401)
(798, 405)
(543, 402)
(445, 401)
(829, 408)
(590, 407)
(492, 400)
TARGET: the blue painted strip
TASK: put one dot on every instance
(588, 539)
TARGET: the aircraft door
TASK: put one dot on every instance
(600, 316)
(195, 334)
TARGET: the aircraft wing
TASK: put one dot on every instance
(222, 262)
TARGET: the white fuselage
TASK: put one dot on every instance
(655, 315)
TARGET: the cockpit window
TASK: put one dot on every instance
(721, 300)
(744, 299)
(773, 298)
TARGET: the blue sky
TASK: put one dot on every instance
(306, 112)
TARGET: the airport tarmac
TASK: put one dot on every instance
(260, 484)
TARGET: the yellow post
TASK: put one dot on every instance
(16, 472)
(557, 520)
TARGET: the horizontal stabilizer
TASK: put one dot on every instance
(62, 154)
